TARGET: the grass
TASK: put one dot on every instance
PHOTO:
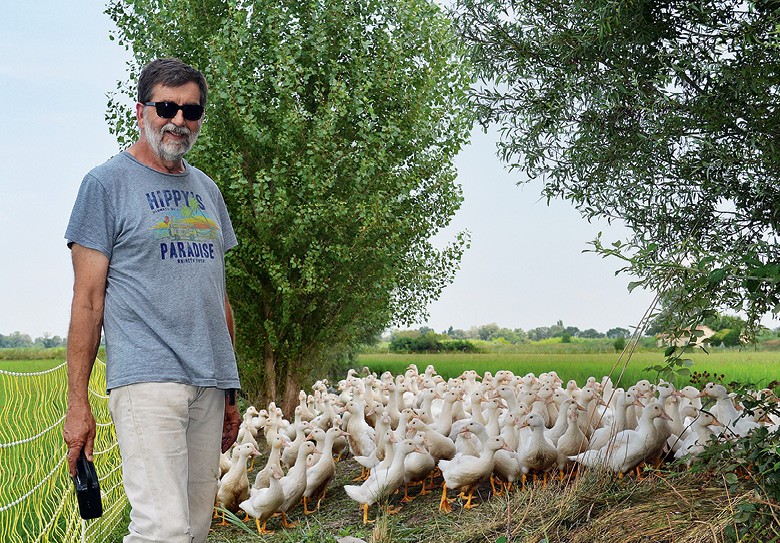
(29, 366)
(671, 506)
(23, 366)
(37, 353)
(746, 366)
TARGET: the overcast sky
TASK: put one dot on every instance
(525, 267)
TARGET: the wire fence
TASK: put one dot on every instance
(37, 499)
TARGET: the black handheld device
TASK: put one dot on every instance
(87, 488)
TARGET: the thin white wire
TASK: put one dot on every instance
(117, 508)
(31, 373)
(98, 394)
(32, 438)
(52, 518)
(33, 489)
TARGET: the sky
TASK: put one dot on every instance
(525, 268)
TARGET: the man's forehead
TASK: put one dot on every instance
(189, 92)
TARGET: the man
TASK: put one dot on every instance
(148, 234)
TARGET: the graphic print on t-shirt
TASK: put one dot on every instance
(186, 233)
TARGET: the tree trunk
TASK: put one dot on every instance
(269, 381)
(290, 394)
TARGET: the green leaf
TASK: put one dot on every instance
(634, 284)
(716, 276)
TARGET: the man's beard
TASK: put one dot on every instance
(171, 151)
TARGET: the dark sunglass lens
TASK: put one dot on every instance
(192, 112)
(167, 110)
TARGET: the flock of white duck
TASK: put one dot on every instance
(408, 429)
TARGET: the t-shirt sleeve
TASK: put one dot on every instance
(91, 221)
(228, 234)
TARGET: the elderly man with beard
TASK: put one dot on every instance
(148, 235)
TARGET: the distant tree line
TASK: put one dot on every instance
(426, 339)
(496, 333)
(18, 340)
(728, 333)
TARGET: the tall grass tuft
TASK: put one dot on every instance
(599, 508)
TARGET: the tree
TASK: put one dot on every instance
(662, 115)
(16, 340)
(331, 130)
(614, 333)
(48, 342)
(720, 321)
(539, 333)
(486, 332)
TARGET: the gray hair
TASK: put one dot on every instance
(169, 72)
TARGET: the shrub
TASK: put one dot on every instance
(460, 345)
(430, 342)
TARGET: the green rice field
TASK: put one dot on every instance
(27, 366)
(756, 367)
(759, 367)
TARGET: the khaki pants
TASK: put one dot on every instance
(169, 436)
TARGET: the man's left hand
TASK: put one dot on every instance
(230, 425)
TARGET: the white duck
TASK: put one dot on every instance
(466, 472)
(573, 441)
(319, 475)
(629, 447)
(561, 421)
(385, 444)
(623, 400)
(264, 502)
(537, 453)
(507, 467)
(263, 477)
(225, 461)
(361, 436)
(700, 434)
(382, 482)
(441, 447)
(234, 485)
(726, 412)
(294, 483)
(290, 453)
(418, 465)
(443, 424)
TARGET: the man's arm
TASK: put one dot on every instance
(230, 322)
(90, 270)
(232, 420)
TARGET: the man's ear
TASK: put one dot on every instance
(139, 115)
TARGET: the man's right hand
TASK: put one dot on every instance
(79, 433)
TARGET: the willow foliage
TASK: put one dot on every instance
(662, 114)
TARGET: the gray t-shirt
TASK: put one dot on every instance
(165, 236)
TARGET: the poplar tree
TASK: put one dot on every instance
(331, 129)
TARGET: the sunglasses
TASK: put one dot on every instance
(168, 110)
